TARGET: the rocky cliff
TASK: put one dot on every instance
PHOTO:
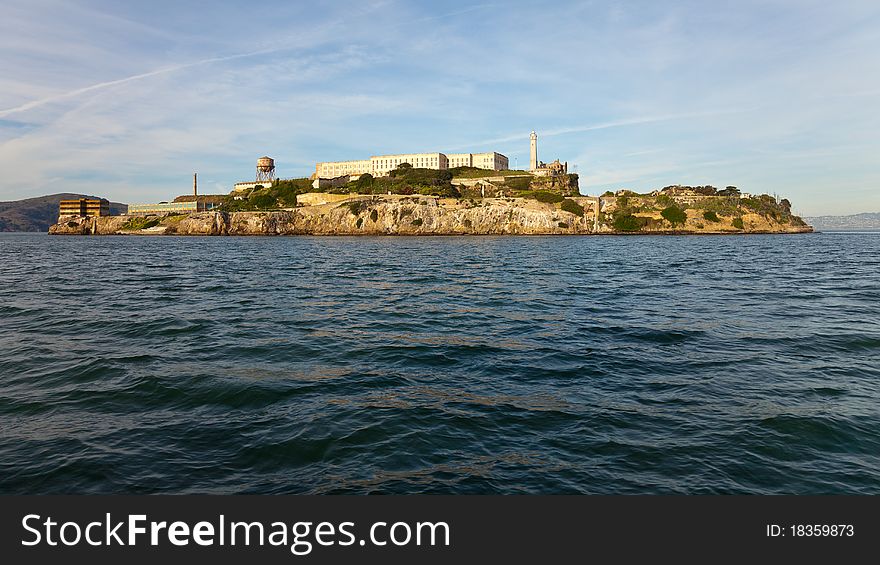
(399, 215)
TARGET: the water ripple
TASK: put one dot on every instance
(692, 365)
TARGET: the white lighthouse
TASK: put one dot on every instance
(533, 153)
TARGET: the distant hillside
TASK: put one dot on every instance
(855, 222)
(37, 214)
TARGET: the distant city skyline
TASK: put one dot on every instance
(126, 101)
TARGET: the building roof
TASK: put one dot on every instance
(201, 198)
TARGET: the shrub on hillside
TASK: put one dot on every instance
(674, 215)
(725, 206)
(628, 222)
(664, 200)
(547, 196)
(710, 216)
(263, 200)
(518, 183)
(570, 205)
(141, 223)
(738, 223)
(365, 181)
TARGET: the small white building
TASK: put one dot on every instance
(250, 185)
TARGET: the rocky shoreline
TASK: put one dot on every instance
(380, 215)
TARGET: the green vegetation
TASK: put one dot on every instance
(417, 222)
(518, 183)
(141, 222)
(567, 185)
(359, 223)
(570, 205)
(542, 196)
(547, 196)
(563, 225)
(664, 201)
(725, 206)
(634, 211)
(674, 215)
(405, 179)
(374, 216)
(475, 173)
(285, 191)
(175, 218)
(628, 222)
(364, 184)
(767, 206)
(263, 201)
(282, 194)
(356, 207)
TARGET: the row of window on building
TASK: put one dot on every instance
(84, 207)
(383, 164)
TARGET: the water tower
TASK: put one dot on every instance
(265, 169)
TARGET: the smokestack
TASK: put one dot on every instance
(195, 184)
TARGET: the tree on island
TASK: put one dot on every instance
(365, 181)
(674, 215)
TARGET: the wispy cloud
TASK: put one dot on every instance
(646, 93)
(106, 84)
(641, 120)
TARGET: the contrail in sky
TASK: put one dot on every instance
(613, 124)
(70, 94)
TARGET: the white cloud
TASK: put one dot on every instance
(782, 96)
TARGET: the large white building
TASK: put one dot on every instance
(381, 165)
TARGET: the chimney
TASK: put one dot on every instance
(195, 185)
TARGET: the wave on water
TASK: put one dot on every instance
(440, 365)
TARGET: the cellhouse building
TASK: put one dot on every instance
(381, 165)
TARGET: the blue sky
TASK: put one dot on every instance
(127, 100)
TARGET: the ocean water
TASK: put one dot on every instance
(738, 364)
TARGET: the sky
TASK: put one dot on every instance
(126, 100)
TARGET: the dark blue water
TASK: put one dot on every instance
(440, 365)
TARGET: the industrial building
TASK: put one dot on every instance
(202, 204)
(381, 165)
(84, 207)
(181, 205)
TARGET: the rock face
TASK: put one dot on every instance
(383, 215)
(77, 225)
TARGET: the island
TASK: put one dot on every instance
(420, 202)
(435, 194)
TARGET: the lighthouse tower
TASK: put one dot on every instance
(533, 153)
